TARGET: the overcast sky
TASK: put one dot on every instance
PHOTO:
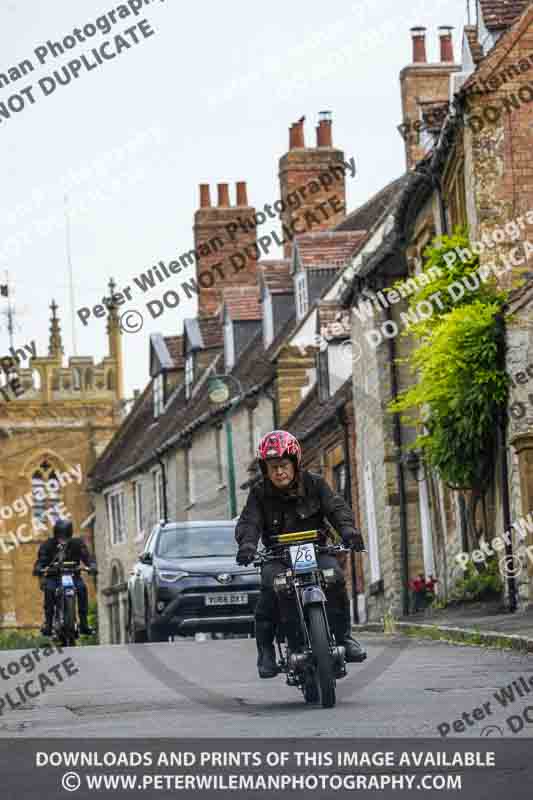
(208, 98)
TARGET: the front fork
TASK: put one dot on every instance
(300, 661)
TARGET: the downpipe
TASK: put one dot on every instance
(400, 476)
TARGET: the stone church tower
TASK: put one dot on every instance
(55, 420)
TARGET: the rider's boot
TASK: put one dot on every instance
(85, 628)
(353, 652)
(266, 654)
(46, 627)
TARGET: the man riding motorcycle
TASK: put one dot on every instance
(287, 500)
(75, 550)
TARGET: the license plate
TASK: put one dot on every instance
(67, 581)
(303, 557)
(239, 599)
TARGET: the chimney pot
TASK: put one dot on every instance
(419, 44)
(323, 131)
(296, 134)
(223, 195)
(446, 44)
(205, 197)
(242, 196)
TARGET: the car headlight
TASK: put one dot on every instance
(172, 577)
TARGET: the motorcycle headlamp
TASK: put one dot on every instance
(172, 577)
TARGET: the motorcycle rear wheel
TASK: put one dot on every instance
(318, 633)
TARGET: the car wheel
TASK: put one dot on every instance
(153, 633)
(135, 636)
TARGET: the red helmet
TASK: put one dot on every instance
(279, 444)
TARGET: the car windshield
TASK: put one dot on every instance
(196, 542)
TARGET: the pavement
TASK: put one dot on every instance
(481, 623)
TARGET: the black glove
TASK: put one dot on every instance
(246, 554)
(354, 540)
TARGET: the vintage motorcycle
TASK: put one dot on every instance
(64, 627)
(311, 659)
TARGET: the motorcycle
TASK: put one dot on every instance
(65, 629)
(311, 659)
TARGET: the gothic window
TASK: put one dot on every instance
(36, 378)
(45, 493)
(88, 378)
(76, 379)
(111, 380)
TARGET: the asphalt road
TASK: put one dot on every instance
(405, 688)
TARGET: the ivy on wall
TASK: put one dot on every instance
(462, 383)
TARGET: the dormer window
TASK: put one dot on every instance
(301, 294)
(229, 345)
(189, 375)
(159, 395)
(323, 375)
(268, 321)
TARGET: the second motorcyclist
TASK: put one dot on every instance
(75, 550)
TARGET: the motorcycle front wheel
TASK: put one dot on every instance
(69, 622)
(325, 675)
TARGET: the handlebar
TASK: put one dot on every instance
(68, 565)
(273, 553)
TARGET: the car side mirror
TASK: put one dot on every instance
(146, 558)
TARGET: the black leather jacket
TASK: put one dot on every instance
(269, 511)
(75, 550)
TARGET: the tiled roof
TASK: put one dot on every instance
(135, 442)
(500, 14)
(366, 216)
(276, 275)
(242, 302)
(175, 348)
(328, 249)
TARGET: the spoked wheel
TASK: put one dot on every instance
(325, 675)
(69, 623)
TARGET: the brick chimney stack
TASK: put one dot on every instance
(311, 177)
(422, 85)
(446, 44)
(419, 45)
(225, 243)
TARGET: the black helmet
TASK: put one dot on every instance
(63, 527)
